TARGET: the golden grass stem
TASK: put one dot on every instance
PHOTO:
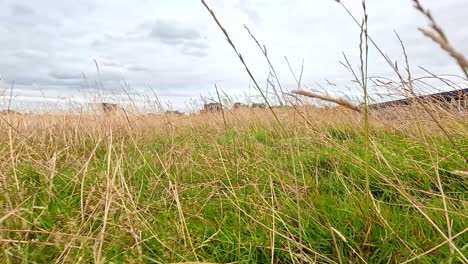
(339, 101)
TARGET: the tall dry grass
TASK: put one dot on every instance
(287, 184)
(87, 187)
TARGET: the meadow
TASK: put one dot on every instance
(337, 183)
(203, 188)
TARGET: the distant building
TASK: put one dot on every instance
(457, 98)
(212, 107)
(106, 108)
(258, 105)
(238, 105)
(171, 112)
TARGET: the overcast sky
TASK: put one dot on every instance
(49, 47)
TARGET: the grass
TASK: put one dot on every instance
(287, 184)
(101, 189)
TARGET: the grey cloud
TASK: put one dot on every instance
(36, 82)
(137, 68)
(194, 52)
(196, 48)
(198, 45)
(66, 76)
(171, 42)
(176, 34)
(173, 33)
(28, 16)
(96, 43)
(31, 53)
(19, 10)
(25, 80)
(104, 79)
(109, 63)
(105, 76)
(251, 13)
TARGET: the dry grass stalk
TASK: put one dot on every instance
(445, 45)
(461, 173)
(338, 101)
(247, 69)
(439, 37)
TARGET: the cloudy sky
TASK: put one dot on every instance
(50, 48)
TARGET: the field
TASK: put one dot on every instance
(243, 188)
(302, 182)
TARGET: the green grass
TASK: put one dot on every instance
(216, 195)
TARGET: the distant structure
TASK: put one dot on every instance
(238, 105)
(171, 112)
(106, 108)
(258, 105)
(11, 112)
(457, 98)
(212, 107)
